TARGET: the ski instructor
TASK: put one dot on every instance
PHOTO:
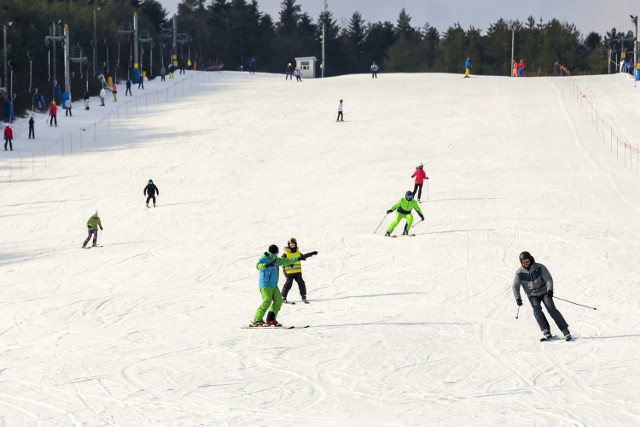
(268, 265)
(537, 283)
(404, 207)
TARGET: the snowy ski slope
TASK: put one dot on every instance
(404, 332)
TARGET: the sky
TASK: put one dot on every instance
(587, 15)
(150, 328)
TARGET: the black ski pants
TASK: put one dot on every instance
(93, 233)
(32, 133)
(536, 304)
(417, 191)
(8, 141)
(340, 117)
(289, 282)
(149, 197)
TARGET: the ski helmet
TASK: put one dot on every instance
(273, 249)
(526, 255)
(408, 195)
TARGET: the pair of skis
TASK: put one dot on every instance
(285, 327)
(553, 337)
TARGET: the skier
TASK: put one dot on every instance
(271, 297)
(32, 132)
(298, 74)
(252, 66)
(537, 283)
(114, 91)
(103, 95)
(53, 112)
(419, 176)
(128, 86)
(404, 207)
(8, 138)
(521, 68)
(289, 72)
(294, 272)
(150, 191)
(141, 83)
(340, 117)
(467, 67)
(163, 72)
(374, 70)
(92, 224)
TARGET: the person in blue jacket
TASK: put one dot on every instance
(467, 67)
(268, 265)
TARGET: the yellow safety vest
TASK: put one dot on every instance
(294, 268)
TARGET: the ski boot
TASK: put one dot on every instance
(257, 324)
(567, 334)
(547, 334)
(387, 234)
(271, 319)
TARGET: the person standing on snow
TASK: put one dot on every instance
(521, 68)
(374, 70)
(8, 138)
(32, 131)
(537, 283)
(103, 95)
(298, 74)
(340, 117)
(404, 207)
(92, 224)
(67, 107)
(150, 191)
(294, 271)
(419, 176)
(86, 100)
(268, 265)
(289, 72)
(252, 66)
(467, 67)
(114, 91)
(514, 72)
(53, 112)
(163, 72)
(128, 86)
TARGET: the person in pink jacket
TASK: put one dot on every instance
(419, 176)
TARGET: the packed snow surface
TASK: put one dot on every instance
(147, 330)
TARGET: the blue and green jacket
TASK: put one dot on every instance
(269, 274)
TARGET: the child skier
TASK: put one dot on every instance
(404, 207)
(150, 191)
(294, 271)
(419, 176)
(92, 224)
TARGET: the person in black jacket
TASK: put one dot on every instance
(150, 191)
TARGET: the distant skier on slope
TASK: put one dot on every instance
(294, 271)
(467, 67)
(92, 224)
(537, 283)
(419, 176)
(340, 117)
(268, 265)
(404, 207)
(150, 191)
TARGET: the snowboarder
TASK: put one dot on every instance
(53, 113)
(103, 95)
(467, 67)
(128, 86)
(150, 191)
(268, 281)
(404, 207)
(340, 117)
(419, 176)
(294, 271)
(32, 132)
(8, 138)
(537, 283)
(92, 225)
(374, 70)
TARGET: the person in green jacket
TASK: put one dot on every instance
(268, 265)
(404, 207)
(92, 224)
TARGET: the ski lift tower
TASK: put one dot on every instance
(127, 31)
(78, 58)
(146, 40)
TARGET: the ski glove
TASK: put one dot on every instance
(308, 255)
(550, 293)
(519, 302)
(389, 211)
(421, 217)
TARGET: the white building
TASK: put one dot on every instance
(307, 65)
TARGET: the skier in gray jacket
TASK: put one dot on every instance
(537, 283)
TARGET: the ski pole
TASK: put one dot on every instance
(380, 223)
(518, 312)
(574, 303)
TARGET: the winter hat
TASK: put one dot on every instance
(292, 241)
(95, 213)
(273, 249)
(150, 181)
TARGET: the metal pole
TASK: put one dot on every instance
(4, 37)
(324, 37)
(174, 48)
(635, 45)
(95, 41)
(67, 71)
(513, 38)
(55, 51)
(136, 61)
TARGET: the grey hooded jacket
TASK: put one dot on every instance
(536, 281)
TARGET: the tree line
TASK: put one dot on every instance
(231, 32)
